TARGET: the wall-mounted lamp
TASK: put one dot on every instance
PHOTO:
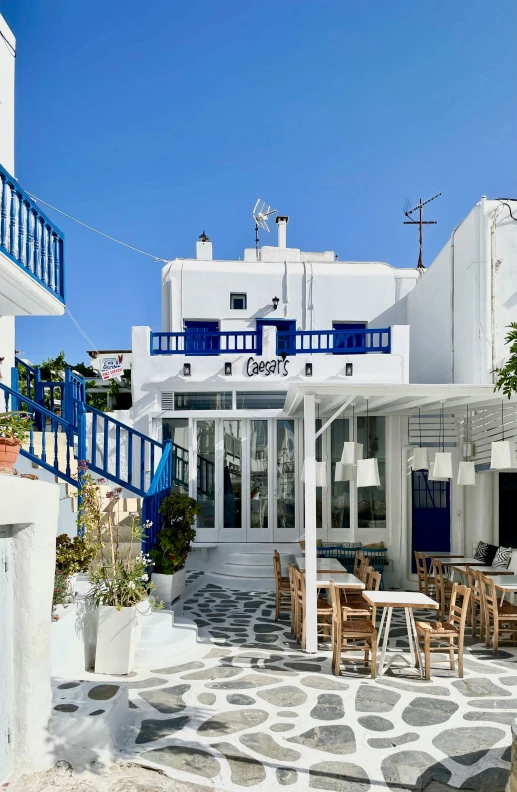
(308, 369)
(186, 370)
(349, 369)
(275, 302)
(227, 369)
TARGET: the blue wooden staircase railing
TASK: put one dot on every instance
(113, 450)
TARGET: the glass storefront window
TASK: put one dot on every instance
(285, 474)
(259, 474)
(260, 400)
(340, 490)
(206, 473)
(203, 401)
(176, 430)
(232, 474)
(371, 506)
(319, 490)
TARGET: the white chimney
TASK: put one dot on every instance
(203, 248)
(281, 222)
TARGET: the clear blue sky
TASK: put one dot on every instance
(154, 121)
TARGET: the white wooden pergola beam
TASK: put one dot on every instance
(406, 408)
(333, 417)
(373, 404)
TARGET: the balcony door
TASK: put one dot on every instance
(199, 341)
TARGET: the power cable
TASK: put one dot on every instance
(96, 230)
(76, 323)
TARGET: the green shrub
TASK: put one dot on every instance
(73, 555)
(174, 540)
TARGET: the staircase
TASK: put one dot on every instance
(67, 430)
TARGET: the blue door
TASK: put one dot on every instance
(202, 338)
(431, 515)
(283, 326)
(349, 343)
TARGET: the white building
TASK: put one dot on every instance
(244, 342)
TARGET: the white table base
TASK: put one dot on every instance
(384, 634)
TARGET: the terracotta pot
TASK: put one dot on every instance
(9, 450)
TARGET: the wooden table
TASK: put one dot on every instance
(409, 600)
(442, 555)
(344, 581)
(489, 571)
(323, 565)
(505, 583)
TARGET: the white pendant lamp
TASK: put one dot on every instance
(503, 451)
(321, 474)
(467, 468)
(345, 472)
(368, 469)
(441, 468)
(352, 452)
(420, 455)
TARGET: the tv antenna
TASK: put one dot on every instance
(261, 213)
(420, 222)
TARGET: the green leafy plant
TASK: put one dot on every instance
(507, 374)
(174, 540)
(61, 595)
(15, 426)
(73, 555)
(119, 577)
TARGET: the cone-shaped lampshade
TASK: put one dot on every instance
(503, 455)
(352, 452)
(442, 465)
(321, 474)
(466, 474)
(368, 473)
(420, 459)
(345, 472)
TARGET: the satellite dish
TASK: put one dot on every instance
(261, 213)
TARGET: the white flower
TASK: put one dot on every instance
(145, 577)
(131, 584)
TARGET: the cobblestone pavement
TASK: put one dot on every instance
(257, 712)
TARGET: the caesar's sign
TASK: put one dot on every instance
(266, 367)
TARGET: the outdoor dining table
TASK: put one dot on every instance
(323, 565)
(489, 571)
(344, 581)
(505, 583)
(410, 601)
(442, 556)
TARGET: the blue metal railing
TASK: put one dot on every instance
(50, 427)
(159, 489)
(213, 343)
(29, 238)
(333, 342)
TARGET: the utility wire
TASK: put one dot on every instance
(76, 323)
(90, 228)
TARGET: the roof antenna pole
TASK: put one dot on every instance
(261, 213)
(420, 223)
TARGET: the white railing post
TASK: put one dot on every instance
(309, 442)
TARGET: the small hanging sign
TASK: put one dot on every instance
(111, 366)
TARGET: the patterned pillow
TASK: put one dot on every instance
(490, 554)
(481, 551)
(503, 557)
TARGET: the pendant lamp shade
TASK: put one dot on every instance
(466, 474)
(503, 455)
(352, 452)
(368, 473)
(321, 474)
(442, 465)
(420, 459)
(345, 472)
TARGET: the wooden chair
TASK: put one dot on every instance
(450, 631)
(292, 589)
(359, 561)
(443, 586)
(323, 611)
(477, 610)
(283, 588)
(495, 612)
(355, 606)
(357, 631)
(426, 583)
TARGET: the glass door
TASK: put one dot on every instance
(259, 527)
(285, 486)
(232, 499)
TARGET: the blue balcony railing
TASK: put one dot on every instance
(334, 342)
(29, 238)
(212, 343)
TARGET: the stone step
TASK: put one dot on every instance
(166, 639)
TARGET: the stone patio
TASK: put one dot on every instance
(257, 712)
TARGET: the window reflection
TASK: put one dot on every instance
(259, 474)
(285, 474)
(206, 473)
(232, 474)
(340, 490)
(371, 507)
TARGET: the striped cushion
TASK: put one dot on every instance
(503, 557)
(481, 551)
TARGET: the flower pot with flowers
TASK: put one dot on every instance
(173, 544)
(118, 576)
(14, 430)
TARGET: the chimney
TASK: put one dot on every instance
(203, 248)
(281, 222)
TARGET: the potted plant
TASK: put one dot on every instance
(118, 576)
(14, 430)
(173, 544)
(73, 556)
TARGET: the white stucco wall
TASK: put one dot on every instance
(29, 509)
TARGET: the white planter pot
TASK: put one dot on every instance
(116, 640)
(169, 587)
